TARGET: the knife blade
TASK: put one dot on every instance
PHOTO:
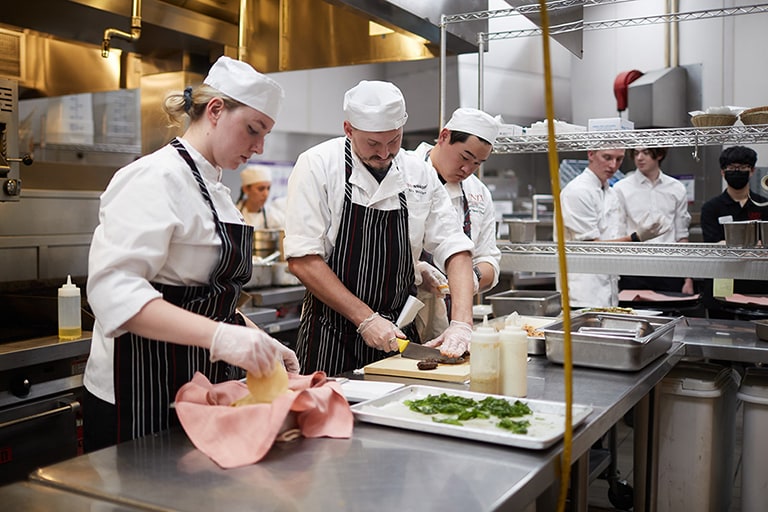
(410, 350)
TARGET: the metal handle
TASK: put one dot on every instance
(73, 406)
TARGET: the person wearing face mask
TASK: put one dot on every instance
(736, 203)
(462, 146)
(168, 261)
(359, 213)
(591, 211)
(256, 183)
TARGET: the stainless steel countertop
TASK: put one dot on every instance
(727, 340)
(32, 496)
(379, 465)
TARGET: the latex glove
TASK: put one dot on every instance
(455, 339)
(432, 279)
(476, 283)
(380, 333)
(251, 349)
(652, 226)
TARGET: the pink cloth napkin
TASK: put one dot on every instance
(239, 436)
(651, 296)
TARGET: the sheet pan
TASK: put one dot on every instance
(547, 421)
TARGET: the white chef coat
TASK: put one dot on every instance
(481, 214)
(433, 317)
(154, 225)
(667, 197)
(271, 215)
(316, 196)
(591, 211)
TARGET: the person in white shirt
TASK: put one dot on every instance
(591, 211)
(359, 212)
(648, 191)
(256, 184)
(169, 258)
(462, 146)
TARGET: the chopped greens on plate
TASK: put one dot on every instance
(454, 409)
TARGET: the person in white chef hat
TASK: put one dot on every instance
(359, 212)
(462, 146)
(256, 184)
(168, 261)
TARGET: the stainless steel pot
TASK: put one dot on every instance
(261, 275)
(281, 276)
(266, 241)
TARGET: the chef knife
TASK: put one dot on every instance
(410, 350)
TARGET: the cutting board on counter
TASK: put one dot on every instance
(397, 366)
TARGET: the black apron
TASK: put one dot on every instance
(372, 258)
(148, 373)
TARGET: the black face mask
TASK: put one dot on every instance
(737, 179)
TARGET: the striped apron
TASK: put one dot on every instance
(148, 373)
(372, 258)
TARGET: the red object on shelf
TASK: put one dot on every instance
(621, 87)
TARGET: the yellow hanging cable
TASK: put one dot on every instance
(565, 462)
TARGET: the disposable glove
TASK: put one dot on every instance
(251, 349)
(651, 226)
(380, 333)
(432, 279)
(455, 339)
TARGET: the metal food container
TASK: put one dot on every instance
(614, 351)
(522, 230)
(761, 329)
(526, 302)
(740, 233)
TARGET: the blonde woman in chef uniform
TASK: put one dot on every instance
(359, 213)
(169, 258)
(462, 146)
(256, 183)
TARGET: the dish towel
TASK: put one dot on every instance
(238, 436)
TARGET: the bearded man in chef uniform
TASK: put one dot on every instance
(591, 211)
(359, 213)
(462, 146)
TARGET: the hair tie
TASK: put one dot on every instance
(187, 99)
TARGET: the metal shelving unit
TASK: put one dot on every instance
(627, 258)
(667, 137)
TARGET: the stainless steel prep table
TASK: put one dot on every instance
(29, 496)
(379, 467)
(727, 340)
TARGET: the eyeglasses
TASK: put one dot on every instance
(743, 168)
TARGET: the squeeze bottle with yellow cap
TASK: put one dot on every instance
(484, 359)
(514, 357)
(70, 327)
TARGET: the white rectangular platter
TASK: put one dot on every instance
(547, 421)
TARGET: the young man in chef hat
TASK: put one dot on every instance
(256, 184)
(462, 146)
(359, 214)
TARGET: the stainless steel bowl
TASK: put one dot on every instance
(741, 233)
(761, 329)
(522, 230)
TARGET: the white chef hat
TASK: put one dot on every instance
(241, 82)
(374, 106)
(475, 122)
(254, 174)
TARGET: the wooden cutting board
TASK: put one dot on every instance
(398, 366)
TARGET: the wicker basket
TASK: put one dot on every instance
(755, 109)
(704, 120)
(754, 117)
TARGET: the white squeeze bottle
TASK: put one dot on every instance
(514, 357)
(70, 327)
(484, 359)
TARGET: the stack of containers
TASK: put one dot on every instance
(754, 477)
(696, 427)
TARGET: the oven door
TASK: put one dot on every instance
(37, 434)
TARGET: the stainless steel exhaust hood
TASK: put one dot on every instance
(281, 35)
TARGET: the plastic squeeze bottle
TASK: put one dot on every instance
(70, 326)
(514, 358)
(484, 359)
